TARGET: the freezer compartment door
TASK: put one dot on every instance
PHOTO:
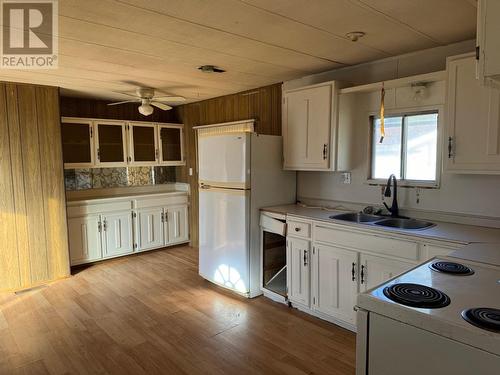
(224, 237)
(224, 160)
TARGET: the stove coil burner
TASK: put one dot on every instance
(416, 295)
(451, 268)
(483, 317)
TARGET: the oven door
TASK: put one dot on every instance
(273, 256)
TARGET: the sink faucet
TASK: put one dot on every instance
(394, 209)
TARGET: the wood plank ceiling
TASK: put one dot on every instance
(107, 46)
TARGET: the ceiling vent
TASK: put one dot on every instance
(211, 69)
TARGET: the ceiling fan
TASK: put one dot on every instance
(146, 96)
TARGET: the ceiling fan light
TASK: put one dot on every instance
(145, 109)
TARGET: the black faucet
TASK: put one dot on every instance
(394, 209)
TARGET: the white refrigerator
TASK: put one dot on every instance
(239, 173)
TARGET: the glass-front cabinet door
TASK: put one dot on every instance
(143, 143)
(111, 146)
(171, 144)
(78, 143)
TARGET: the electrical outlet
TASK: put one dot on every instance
(190, 171)
(346, 177)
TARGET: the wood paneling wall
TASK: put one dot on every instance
(33, 232)
(262, 104)
(90, 108)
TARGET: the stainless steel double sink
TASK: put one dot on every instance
(389, 222)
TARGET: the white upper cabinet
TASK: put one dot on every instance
(143, 143)
(472, 142)
(309, 126)
(171, 150)
(78, 143)
(488, 42)
(91, 143)
(111, 144)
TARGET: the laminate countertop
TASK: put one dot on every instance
(121, 196)
(479, 252)
(442, 231)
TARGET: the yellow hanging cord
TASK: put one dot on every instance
(382, 113)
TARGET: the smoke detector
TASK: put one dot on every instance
(211, 69)
(354, 36)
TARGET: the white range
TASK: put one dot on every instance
(442, 317)
(239, 173)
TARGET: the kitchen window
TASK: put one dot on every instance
(409, 149)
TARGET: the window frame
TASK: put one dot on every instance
(435, 184)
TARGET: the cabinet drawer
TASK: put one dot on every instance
(160, 201)
(367, 242)
(431, 251)
(299, 229)
(98, 208)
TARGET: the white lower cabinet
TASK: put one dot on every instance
(117, 232)
(334, 281)
(176, 224)
(102, 228)
(375, 270)
(158, 227)
(330, 265)
(149, 229)
(431, 251)
(84, 239)
(298, 266)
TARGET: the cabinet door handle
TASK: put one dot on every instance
(450, 147)
(305, 257)
(325, 151)
(99, 226)
(362, 274)
(156, 154)
(105, 225)
(98, 154)
(353, 271)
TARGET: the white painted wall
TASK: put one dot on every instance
(461, 194)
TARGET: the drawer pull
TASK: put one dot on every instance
(297, 229)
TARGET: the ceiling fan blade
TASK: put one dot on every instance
(171, 98)
(124, 102)
(161, 106)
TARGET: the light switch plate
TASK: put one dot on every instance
(346, 177)
(190, 171)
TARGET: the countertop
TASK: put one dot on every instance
(482, 253)
(121, 196)
(443, 231)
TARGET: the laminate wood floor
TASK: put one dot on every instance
(153, 314)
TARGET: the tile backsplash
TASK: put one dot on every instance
(99, 178)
